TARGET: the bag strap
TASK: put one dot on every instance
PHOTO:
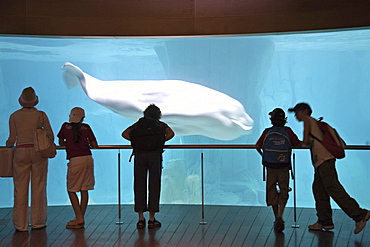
(318, 125)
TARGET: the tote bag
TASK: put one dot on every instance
(43, 142)
(6, 162)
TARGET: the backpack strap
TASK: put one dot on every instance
(318, 125)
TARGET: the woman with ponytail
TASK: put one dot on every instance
(78, 139)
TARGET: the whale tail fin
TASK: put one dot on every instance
(72, 75)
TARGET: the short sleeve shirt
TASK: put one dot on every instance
(81, 148)
(292, 138)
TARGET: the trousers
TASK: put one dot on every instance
(326, 185)
(147, 163)
(28, 167)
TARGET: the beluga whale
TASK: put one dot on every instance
(188, 108)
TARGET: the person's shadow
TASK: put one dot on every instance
(80, 240)
(325, 238)
(279, 239)
(38, 238)
(151, 241)
(19, 238)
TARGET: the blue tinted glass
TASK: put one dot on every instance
(329, 70)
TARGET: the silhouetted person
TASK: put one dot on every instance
(326, 183)
(147, 137)
(28, 165)
(78, 139)
(275, 146)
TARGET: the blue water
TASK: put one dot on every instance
(329, 70)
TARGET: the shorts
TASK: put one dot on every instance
(277, 177)
(80, 174)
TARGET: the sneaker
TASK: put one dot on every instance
(319, 227)
(362, 223)
(154, 223)
(279, 225)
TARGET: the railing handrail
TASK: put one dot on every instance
(210, 146)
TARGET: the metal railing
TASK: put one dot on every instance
(196, 146)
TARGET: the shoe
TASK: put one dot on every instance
(73, 224)
(140, 224)
(154, 224)
(279, 225)
(362, 223)
(319, 227)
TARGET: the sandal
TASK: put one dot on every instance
(154, 224)
(140, 224)
(73, 224)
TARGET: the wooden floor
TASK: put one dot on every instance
(226, 226)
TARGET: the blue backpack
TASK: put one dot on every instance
(276, 146)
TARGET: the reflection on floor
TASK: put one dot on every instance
(226, 226)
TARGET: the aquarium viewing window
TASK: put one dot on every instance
(211, 89)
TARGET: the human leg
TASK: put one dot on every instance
(155, 173)
(80, 178)
(140, 183)
(141, 222)
(283, 183)
(21, 178)
(272, 194)
(84, 202)
(335, 190)
(76, 207)
(140, 189)
(322, 201)
(153, 222)
(38, 191)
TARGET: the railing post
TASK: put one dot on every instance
(295, 225)
(202, 181)
(119, 222)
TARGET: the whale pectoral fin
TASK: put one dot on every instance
(72, 75)
(70, 79)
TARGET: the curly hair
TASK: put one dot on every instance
(278, 117)
(153, 111)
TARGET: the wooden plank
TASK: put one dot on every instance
(226, 226)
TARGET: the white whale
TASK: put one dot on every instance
(188, 108)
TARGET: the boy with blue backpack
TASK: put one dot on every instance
(275, 146)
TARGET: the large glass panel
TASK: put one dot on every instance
(329, 70)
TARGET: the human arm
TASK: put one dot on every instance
(296, 143)
(12, 132)
(91, 139)
(259, 149)
(94, 144)
(47, 126)
(169, 134)
(61, 137)
(126, 134)
(62, 142)
(260, 142)
(306, 132)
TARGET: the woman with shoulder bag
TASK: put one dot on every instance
(28, 165)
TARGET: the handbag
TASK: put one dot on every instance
(6, 162)
(43, 141)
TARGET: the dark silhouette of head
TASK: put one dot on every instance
(278, 117)
(153, 111)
